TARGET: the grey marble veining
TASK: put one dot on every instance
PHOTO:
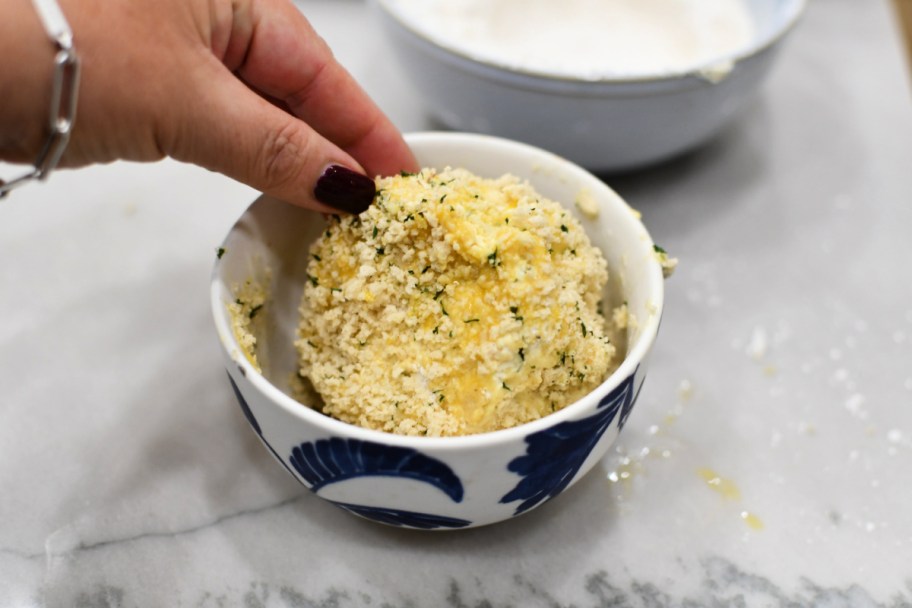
(767, 462)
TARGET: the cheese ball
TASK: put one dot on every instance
(454, 305)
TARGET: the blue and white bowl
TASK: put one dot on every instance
(428, 482)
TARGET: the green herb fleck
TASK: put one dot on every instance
(406, 174)
(439, 293)
(492, 259)
(522, 354)
(219, 253)
(470, 321)
(313, 280)
(444, 311)
(376, 230)
(436, 329)
(253, 311)
(564, 228)
(583, 326)
(425, 269)
(504, 384)
(515, 310)
(316, 257)
(380, 251)
(658, 249)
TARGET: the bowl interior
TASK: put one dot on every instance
(269, 246)
(771, 19)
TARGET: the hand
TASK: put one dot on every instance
(243, 87)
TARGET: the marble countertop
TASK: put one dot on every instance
(768, 461)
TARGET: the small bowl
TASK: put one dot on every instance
(604, 124)
(432, 482)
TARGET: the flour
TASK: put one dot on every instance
(588, 39)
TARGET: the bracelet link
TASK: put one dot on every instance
(63, 110)
(64, 94)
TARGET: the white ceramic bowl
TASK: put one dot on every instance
(427, 482)
(608, 124)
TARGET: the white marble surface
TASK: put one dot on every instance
(128, 476)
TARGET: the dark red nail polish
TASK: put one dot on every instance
(345, 189)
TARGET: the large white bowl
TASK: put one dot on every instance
(608, 124)
(426, 482)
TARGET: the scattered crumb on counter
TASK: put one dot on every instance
(454, 305)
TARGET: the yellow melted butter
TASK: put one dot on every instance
(724, 487)
(728, 490)
(752, 520)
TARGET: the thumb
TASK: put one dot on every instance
(226, 127)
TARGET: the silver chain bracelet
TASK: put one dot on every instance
(63, 95)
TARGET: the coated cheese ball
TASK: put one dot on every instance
(454, 305)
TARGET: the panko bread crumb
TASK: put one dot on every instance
(250, 297)
(454, 305)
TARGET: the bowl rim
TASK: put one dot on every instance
(703, 71)
(636, 354)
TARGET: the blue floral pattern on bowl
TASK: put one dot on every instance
(327, 461)
(251, 419)
(554, 456)
(398, 517)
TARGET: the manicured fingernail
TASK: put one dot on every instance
(345, 189)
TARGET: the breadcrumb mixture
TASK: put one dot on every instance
(249, 301)
(454, 305)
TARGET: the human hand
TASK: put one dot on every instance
(242, 87)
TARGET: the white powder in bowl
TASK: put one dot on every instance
(589, 39)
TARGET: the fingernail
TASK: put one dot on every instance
(345, 189)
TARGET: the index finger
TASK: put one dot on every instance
(285, 59)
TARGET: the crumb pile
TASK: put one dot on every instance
(454, 305)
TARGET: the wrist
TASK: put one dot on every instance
(26, 83)
(64, 91)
